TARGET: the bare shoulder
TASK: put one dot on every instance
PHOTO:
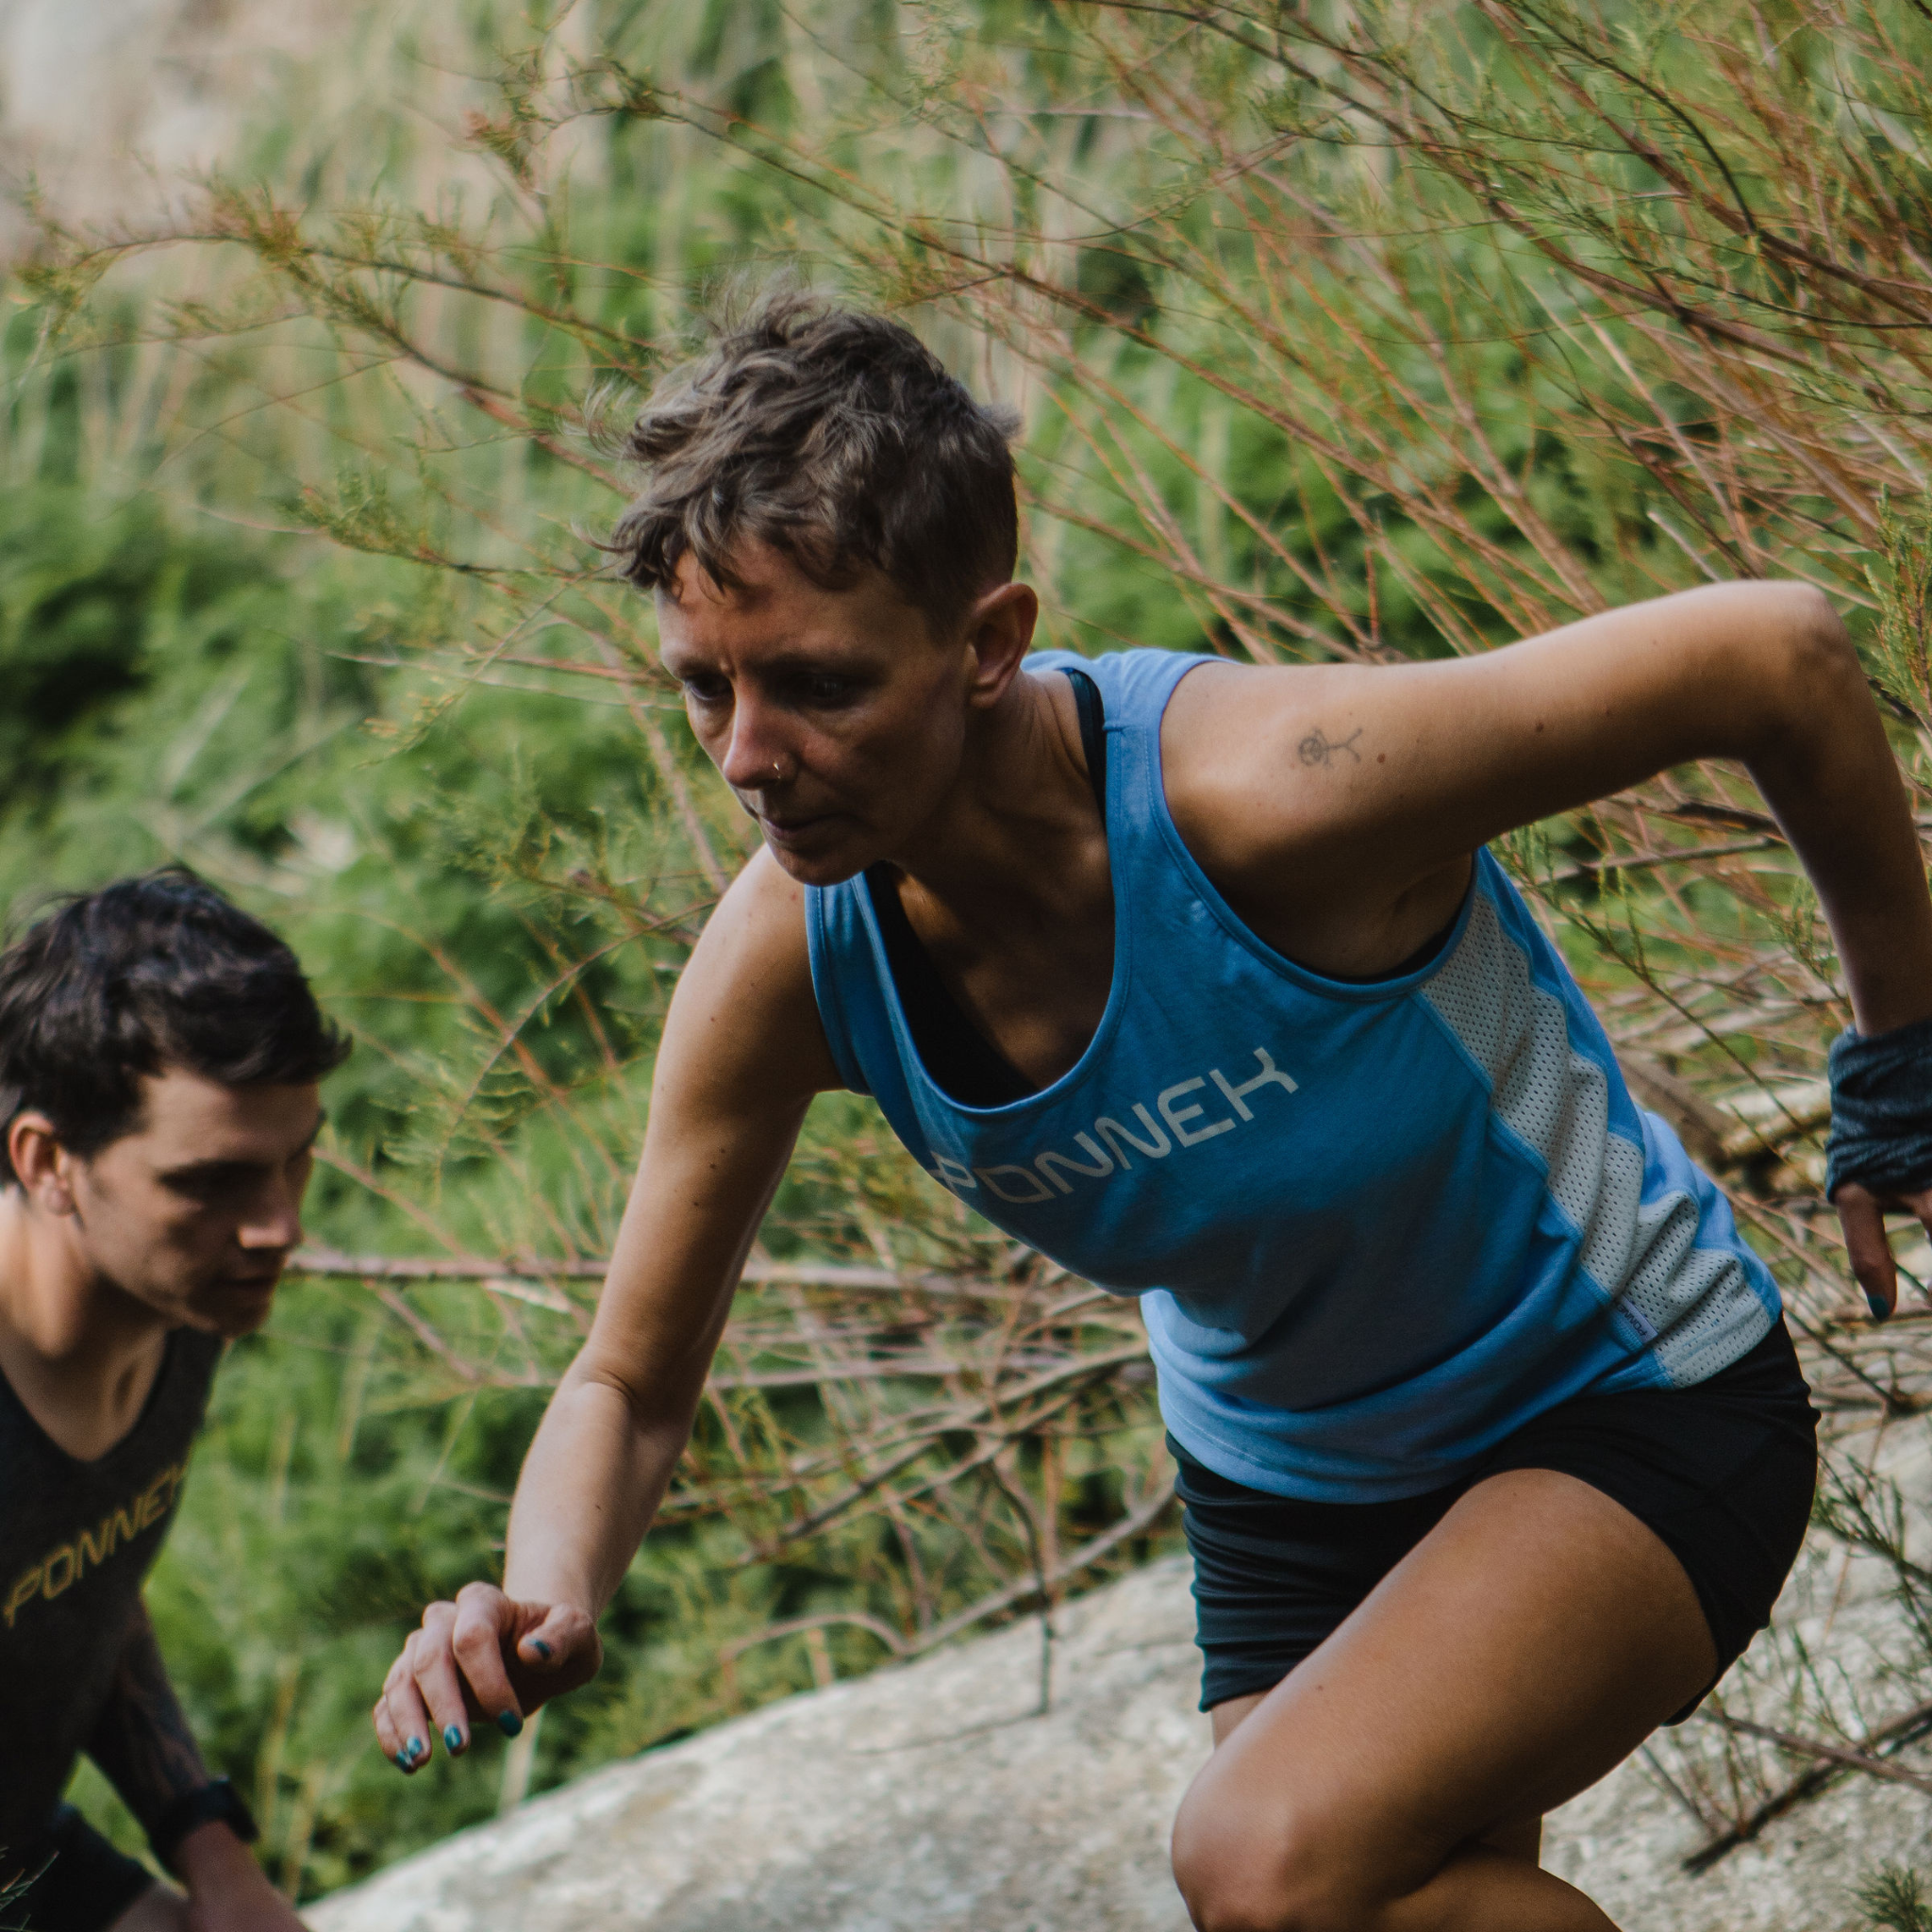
(1222, 707)
(1237, 738)
(1305, 794)
(1363, 780)
(744, 1012)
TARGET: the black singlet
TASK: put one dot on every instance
(77, 1541)
(959, 1059)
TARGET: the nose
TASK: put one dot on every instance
(753, 753)
(273, 1220)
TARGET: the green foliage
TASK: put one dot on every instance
(1900, 578)
(1896, 1900)
(494, 855)
(1396, 334)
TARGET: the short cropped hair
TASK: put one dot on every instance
(838, 439)
(146, 974)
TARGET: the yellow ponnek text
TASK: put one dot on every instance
(61, 1567)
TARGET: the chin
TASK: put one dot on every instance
(817, 868)
(230, 1310)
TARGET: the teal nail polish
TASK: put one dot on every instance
(403, 1760)
(541, 1648)
(452, 1739)
(414, 1749)
(508, 1723)
(1879, 1311)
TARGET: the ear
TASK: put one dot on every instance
(998, 633)
(42, 1165)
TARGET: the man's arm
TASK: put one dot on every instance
(742, 1053)
(142, 1743)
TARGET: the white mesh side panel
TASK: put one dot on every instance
(1558, 1102)
(1610, 1235)
(1482, 985)
(1546, 1093)
(1697, 1299)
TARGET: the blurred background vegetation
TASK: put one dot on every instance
(1363, 331)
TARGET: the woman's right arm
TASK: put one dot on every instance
(742, 1054)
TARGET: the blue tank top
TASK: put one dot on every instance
(1374, 1228)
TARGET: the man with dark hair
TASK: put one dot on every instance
(160, 1054)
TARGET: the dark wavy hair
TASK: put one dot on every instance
(838, 439)
(148, 973)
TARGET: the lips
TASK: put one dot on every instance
(789, 832)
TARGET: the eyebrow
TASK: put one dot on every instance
(212, 1170)
(787, 654)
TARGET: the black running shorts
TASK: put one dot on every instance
(82, 1883)
(1723, 1472)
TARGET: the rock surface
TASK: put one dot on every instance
(938, 1798)
(933, 1796)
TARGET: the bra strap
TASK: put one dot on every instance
(1093, 733)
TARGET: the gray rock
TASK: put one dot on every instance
(937, 1797)
(933, 1796)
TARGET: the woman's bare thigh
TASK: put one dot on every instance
(1525, 1647)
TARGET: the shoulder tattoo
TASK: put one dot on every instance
(1318, 748)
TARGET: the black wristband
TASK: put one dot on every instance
(215, 1801)
(1881, 1110)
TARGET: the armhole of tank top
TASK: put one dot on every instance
(1433, 951)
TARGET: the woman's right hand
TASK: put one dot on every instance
(742, 1053)
(486, 1655)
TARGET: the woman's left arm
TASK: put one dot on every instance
(1359, 782)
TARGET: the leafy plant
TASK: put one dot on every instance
(1343, 333)
(1895, 1899)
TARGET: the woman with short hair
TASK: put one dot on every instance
(1198, 977)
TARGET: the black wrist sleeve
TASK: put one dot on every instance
(1881, 1110)
(217, 1799)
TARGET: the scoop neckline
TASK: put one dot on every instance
(1116, 992)
(91, 1464)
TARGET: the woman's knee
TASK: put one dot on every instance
(1241, 1867)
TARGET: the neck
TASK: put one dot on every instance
(1021, 804)
(79, 1350)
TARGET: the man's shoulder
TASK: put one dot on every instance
(199, 1355)
(83, 1534)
